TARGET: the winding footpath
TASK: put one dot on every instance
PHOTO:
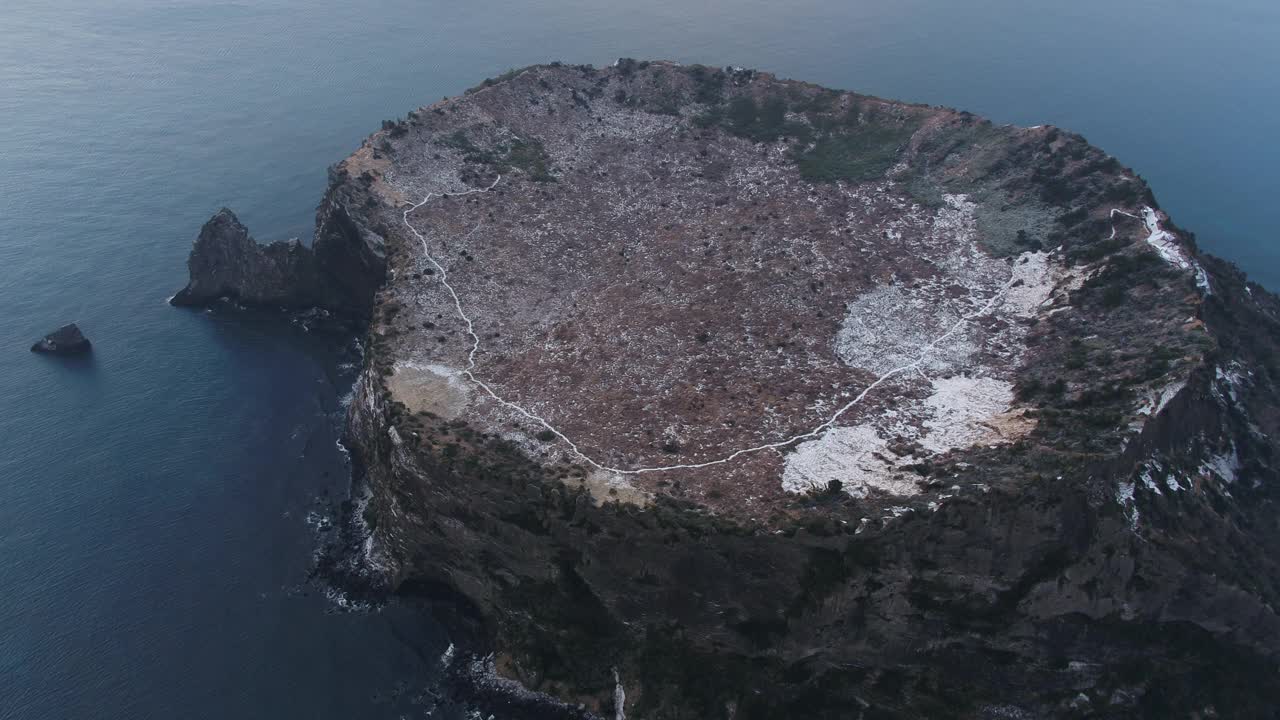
(1165, 244)
(914, 365)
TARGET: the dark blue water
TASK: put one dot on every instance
(153, 501)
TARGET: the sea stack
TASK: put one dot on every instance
(339, 272)
(66, 340)
(226, 262)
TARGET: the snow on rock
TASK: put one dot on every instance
(925, 326)
(1225, 465)
(1231, 378)
(1167, 394)
(1156, 401)
(1148, 479)
(856, 456)
(887, 327)
(619, 697)
(890, 326)
(1163, 240)
(1033, 282)
(1126, 500)
(961, 412)
(1166, 244)
(968, 411)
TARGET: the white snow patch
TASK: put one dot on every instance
(1032, 284)
(1224, 465)
(1157, 400)
(886, 328)
(1166, 244)
(619, 697)
(1125, 499)
(856, 456)
(1167, 395)
(963, 412)
(1232, 378)
(1149, 480)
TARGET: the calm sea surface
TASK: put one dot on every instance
(154, 500)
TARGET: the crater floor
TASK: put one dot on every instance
(657, 301)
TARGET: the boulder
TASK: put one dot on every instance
(66, 340)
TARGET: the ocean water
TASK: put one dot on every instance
(154, 500)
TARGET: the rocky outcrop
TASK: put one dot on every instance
(226, 262)
(66, 340)
(340, 272)
(351, 256)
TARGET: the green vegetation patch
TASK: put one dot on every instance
(708, 84)
(981, 160)
(856, 154)
(528, 156)
(764, 121)
(532, 158)
(830, 145)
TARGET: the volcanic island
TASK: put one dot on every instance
(708, 394)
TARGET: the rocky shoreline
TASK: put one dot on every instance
(1112, 558)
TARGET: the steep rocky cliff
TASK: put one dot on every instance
(340, 272)
(712, 395)
(227, 263)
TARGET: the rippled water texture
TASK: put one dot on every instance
(153, 499)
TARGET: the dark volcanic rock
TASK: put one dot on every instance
(227, 262)
(66, 340)
(340, 273)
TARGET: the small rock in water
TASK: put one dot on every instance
(66, 340)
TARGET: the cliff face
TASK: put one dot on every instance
(340, 272)
(743, 398)
(1044, 598)
(227, 263)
